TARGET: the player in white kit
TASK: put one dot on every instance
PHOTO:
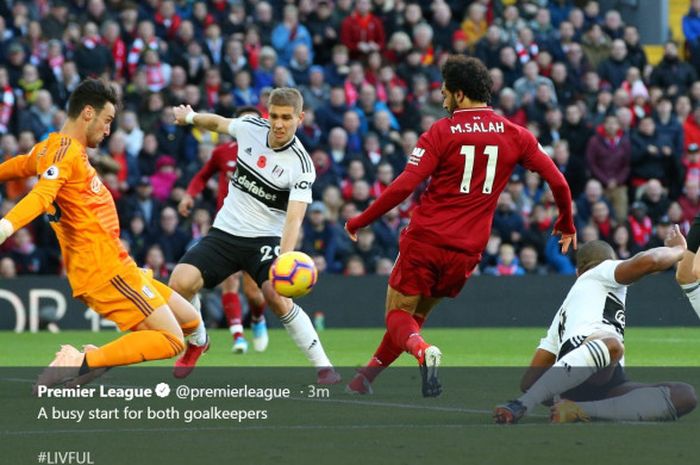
(259, 220)
(582, 357)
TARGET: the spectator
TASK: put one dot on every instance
(613, 25)
(143, 203)
(608, 155)
(673, 75)
(600, 218)
(445, 27)
(640, 224)
(561, 42)
(613, 69)
(584, 204)
(635, 52)
(8, 269)
(28, 258)
(92, 57)
(511, 23)
(172, 240)
(309, 132)
(507, 221)
(660, 232)
(675, 214)
(691, 31)
(649, 160)
(572, 168)
(367, 249)
(690, 200)
(324, 31)
(290, 33)
(509, 108)
(355, 266)
(526, 86)
(155, 261)
(530, 263)
(362, 32)
(669, 130)
(507, 263)
(525, 47)
(622, 244)
(474, 25)
(655, 199)
(39, 118)
(542, 26)
(316, 92)
(595, 45)
(321, 237)
(327, 172)
(691, 128)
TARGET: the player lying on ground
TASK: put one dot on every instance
(101, 273)
(260, 219)
(581, 358)
(469, 157)
(223, 161)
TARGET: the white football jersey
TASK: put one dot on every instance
(596, 302)
(264, 182)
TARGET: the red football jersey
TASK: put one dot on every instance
(470, 157)
(223, 160)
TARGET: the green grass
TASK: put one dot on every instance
(352, 347)
(394, 426)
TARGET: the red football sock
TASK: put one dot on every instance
(257, 311)
(234, 312)
(385, 355)
(405, 333)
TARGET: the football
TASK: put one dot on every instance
(293, 274)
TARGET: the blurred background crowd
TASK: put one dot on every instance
(625, 133)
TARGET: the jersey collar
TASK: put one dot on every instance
(280, 149)
(473, 109)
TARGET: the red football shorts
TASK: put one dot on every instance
(423, 269)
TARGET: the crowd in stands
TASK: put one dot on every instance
(625, 134)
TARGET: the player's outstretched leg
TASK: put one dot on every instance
(256, 302)
(301, 330)
(186, 280)
(405, 333)
(155, 338)
(385, 355)
(233, 310)
(568, 372)
(631, 402)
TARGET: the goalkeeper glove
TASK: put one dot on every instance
(6, 230)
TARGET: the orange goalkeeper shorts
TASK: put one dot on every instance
(128, 298)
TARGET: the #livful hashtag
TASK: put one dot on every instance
(41, 458)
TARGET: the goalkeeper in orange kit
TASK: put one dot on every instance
(100, 271)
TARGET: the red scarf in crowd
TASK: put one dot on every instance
(641, 232)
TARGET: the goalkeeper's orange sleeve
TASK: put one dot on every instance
(40, 198)
(18, 167)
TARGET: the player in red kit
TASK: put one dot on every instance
(469, 157)
(223, 160)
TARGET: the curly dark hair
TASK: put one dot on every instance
(469, 75)
(93, 92)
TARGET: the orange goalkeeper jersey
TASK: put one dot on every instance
(80, 208)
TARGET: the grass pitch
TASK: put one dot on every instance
(393, 426)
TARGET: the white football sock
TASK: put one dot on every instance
(571, 370)
(298, 325)
(199, 335)
(692, 292)
(643, 404)
(236, 329)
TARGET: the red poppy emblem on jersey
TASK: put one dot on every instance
(262, 161)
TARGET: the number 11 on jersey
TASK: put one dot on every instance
(491, 151)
